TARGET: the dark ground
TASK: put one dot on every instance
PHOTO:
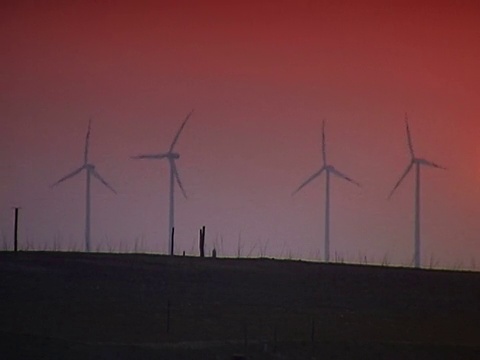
(110, 306)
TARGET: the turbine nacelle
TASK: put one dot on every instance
(427, 163)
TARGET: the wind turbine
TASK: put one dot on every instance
(417, 162)
(328, 169)
(90, 170)
(171, 156)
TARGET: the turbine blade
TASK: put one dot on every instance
(409, 137)
(324, 150)
(429, 163)
(175, 139)
(150, 156)
(318, 173)
(407, 170)
(343, 176)
(103, 181)
(177, 177)
(66, 177)
(87, 142)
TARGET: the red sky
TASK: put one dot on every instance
(261, 76)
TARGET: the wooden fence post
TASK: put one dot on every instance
(168, 316)
(312, 333)
(202, 242)
(275, 338)
(245, 337)
(15, 231)
(312, 337)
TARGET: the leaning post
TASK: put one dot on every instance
(172, 242)
(202, 242)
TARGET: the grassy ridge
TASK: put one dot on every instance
(103, 302)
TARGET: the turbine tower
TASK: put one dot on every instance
(328, 169)
(417, 162)
(171, 156)
(90, 170)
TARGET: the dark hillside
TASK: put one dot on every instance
(115, 306)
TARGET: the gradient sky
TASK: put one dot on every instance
(261, 76)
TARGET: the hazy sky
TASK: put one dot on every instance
(261, 76)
